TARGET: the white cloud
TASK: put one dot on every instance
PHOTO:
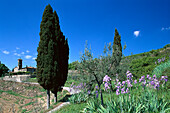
(22, 53)
(165, 28)
(136, 33)
(17, 54)
(34, 58)
(5, 52)
(27, 51)
(17, 48)
(28, 56)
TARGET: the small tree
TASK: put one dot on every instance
(96, 69)
(117, 41)
(73, 65)
(3, 69)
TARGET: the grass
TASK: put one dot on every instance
(72, 108)
(16, 94)
(24, 110)
(32, 80)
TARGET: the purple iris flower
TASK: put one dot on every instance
(135, 81)
(117, 92)
(89, 92)
(127, 90)
(97, 87)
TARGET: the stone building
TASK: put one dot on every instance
(25, 69)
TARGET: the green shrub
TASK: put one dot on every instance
(79, 98)
(168, 45)
(160, 68)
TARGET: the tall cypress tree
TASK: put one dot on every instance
(53, 51)
(117, 41)
(45, 50)
(62, 52)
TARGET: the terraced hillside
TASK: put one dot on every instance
(22, 98)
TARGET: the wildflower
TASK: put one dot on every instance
(159, 60)
(96, 94)
(135, 81)
(143, 83)
(117, 80)
(97, 87)
(127, 72)
(106, 78)
(163, 59)
(140, 80)
(129, 83)
(147, 76)
(152, 83)
(84, 84)
(89, 92)
(117, 92)
(123, 90)
(143, 77)
(127, 90)
(164, 78)
(123, 82)
(155, 62)
(106, 85)
(72, 84)
(118, 87)
(154, 76)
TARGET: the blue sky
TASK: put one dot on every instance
(143, 24)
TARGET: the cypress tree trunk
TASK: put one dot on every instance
(48, 99)
(55, 97)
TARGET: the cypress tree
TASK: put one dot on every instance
(45, 50)
(62, 52)
(53, 51)
(117, 41)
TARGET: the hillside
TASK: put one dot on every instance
(145, 63)
(139, 64)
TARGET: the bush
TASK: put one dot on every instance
(168, 45)
(78, 98)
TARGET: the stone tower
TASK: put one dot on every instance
(19, 63)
